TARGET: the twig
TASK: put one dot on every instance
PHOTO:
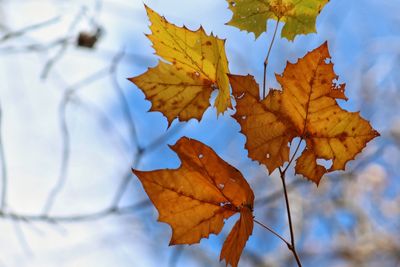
(22, 238)
(49, 64)
(65, 152)
(266, 60)
(76, 218)
(103, 118)
(4, 180)
(293, 156)
(291, 246)
(272, 231)
(122, 99)
(123, 185)
(140, 152)
(69, 92)
(163, 138)
(175, 256)
(20, 32)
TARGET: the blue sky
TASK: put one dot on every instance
(364, 41)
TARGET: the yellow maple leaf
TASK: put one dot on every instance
(196, 198)
(306, 108)
(299, 16)
(196, 66)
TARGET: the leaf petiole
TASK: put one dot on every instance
(266, 60)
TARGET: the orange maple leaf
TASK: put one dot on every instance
(196, 198)
(306, 108)
(196, 65)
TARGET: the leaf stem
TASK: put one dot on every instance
(266, 60)
(293, 156)
(291, 245)
(272, 231)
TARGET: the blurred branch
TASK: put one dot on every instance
(76, 218)
(122, 99)
(4, 180)
(63, 48)
(13, 34)
(65, 154)
(175, 256)
(19, 232)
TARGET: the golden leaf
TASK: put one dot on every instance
(196, 66)
(306, 108)
(299, 16)
(196, 198)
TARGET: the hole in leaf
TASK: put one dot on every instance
(233, 3)
(224, 204)
(326, 163)
(240, 96)
(268, 156)
(197, 73)
(201, 156)
(244, 117)
(221, 186)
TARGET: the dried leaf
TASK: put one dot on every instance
(196, 198)
(299, 16)
(268, 132)
(306, 108)
(237, 238)
(196, 66)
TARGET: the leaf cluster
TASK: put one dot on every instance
(204, 191)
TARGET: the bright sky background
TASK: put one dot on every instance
(364, 41)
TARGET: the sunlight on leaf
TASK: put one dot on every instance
(196, 66)
(306, 108)
(196, 198)
(299, 16)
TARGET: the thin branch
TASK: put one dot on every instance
(50, 63)
(76, 218)
(291, 246)
(293, 156)
(103, 118)
(122, 98)
(175, 256)
(266, 59)
(164, 138)
(141, 151)
(4, 180)
(272, 231)
(20, 32)
(22, 238)
(123, 185)
(65, 155)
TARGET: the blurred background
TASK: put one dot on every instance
(72, 126)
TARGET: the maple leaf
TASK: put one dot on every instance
(196, 66)
(299, 16)
(267, 131)
(196, 198)
(306, 108)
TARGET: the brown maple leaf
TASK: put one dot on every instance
(196, 198)
(307, 108)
